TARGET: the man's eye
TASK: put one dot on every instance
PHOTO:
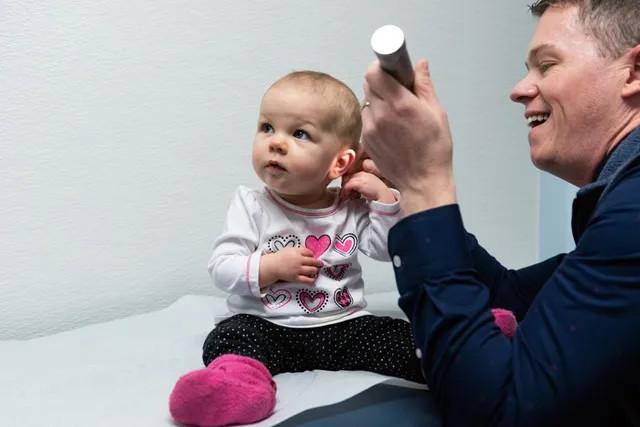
(544, 66)
(301, 134)
(266, 128)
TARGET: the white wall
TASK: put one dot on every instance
(126, 125)
(556, 198)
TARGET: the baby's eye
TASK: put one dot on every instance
(266, 128)
(301, 134)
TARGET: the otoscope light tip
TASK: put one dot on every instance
(387, 39)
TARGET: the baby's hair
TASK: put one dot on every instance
(345, 120)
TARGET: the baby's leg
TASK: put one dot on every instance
(252, 336)
(378, 344)
(385, 345)
(236, 387)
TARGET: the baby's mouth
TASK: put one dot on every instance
(272, 164)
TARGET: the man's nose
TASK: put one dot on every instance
(523, 91)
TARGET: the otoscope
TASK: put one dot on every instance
(389, 46)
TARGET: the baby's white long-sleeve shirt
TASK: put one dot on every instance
(260, 222)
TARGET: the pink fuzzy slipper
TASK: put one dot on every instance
(506, 321)
(231, 390)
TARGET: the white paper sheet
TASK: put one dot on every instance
(120, 373)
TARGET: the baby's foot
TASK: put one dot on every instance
(231, 390)
(506, 321)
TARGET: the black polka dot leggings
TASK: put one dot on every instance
(368, 343)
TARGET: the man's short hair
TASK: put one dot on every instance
(345, 120)
(615, 24)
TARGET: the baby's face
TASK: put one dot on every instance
(294, 146)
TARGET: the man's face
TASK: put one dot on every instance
(571, 95)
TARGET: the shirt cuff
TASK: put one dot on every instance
(252, 273)
(428, 244)
(386, 208)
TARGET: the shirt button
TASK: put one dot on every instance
(397, 262)
(418, 353)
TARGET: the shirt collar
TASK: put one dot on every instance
(588, 196)
(627, 149)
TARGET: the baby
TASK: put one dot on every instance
(288, 259)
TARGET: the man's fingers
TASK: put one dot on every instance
(369, 165)
(423, 85)
(357, 164)
(381, 85)
(369, 76)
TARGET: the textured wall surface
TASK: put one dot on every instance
(125, 126)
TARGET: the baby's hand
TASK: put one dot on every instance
(369, 186)
(289, 264)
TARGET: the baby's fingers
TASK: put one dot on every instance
(370, 167)
(311, 261)
(306, 252)
(346, 194)
(306, 280)
(308, 271)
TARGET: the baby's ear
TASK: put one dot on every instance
(341, 163)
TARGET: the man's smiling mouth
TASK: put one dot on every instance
(537, 119)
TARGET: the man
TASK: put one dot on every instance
(575, 358)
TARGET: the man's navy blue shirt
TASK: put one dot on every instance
(576, 355)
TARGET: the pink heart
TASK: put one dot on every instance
(342, 297)
(276, 299)
(336, 272)
(346, 244)
(312, 301)
(318, 245)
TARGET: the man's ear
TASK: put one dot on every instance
(341, 163)
(632, 85)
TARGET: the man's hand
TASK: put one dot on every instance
(295, 265)
(407, 136)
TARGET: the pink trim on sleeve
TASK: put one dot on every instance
(385, 213)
